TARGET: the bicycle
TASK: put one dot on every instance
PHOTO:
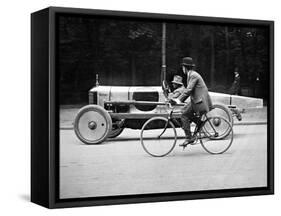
(214, 133)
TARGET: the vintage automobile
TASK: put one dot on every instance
(113, 108)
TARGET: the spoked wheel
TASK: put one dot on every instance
(216, 142)
(222, 111)
(158, 136)
(92, 124)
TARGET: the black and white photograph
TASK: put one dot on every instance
(150, 106)
(140, 107)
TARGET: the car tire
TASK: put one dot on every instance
(92, 124)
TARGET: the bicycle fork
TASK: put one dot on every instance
(166, 125)
(216, 133)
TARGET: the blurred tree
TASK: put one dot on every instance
(128, 52)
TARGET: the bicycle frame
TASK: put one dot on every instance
(210, 133)
(167, 123)
(197, 127)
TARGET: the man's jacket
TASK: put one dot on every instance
(198, 92)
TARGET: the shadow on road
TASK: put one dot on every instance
(189, 152)
(118, 140)
(137, 138)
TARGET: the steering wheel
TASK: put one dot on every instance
(166, 89)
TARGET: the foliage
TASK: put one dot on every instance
(128, 52)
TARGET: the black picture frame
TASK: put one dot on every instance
(45, 112)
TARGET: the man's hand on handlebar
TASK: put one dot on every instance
(174, 101)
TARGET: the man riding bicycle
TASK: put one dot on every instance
(200, 100)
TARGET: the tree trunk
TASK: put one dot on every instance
(213, 59)
(195, 44)
(133, 69)
(244, 64)
(227, 68)
(163, 75)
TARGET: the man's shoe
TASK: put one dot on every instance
(188, 141)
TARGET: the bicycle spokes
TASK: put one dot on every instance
(158, 136)
(213, 142)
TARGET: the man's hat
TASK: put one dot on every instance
(187, 61)
(177, 79)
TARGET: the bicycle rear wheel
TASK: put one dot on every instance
(216, 142)
(158, 136)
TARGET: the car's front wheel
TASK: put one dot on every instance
(92, 124)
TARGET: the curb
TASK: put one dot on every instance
(251, 123)
(235, 123)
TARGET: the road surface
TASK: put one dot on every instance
(120, 166)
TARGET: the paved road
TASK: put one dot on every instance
(121, 166)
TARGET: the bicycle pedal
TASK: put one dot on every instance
(183, 146)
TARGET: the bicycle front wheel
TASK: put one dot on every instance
(214, 142)
(158, 136)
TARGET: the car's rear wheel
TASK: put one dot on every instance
(92, 124)
(224, 112)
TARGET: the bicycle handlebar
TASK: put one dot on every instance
(174, 105)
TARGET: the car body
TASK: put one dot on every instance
(131, 103)
(113, 108)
